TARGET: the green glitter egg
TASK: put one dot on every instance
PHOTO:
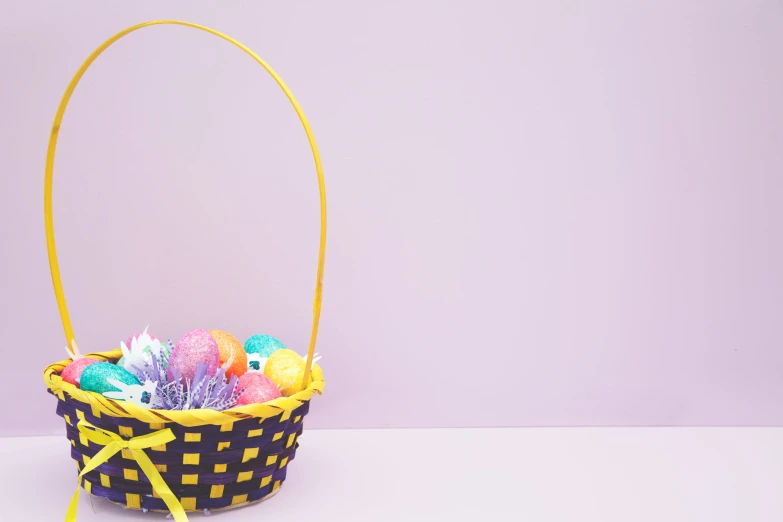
(263, 345)
(96, 380)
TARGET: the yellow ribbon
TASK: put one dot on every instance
(112, 444)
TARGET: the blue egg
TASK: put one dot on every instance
(96, 380)
(264, 345)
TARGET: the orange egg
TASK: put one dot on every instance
(230, 346)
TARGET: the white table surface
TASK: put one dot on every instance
(565, 474)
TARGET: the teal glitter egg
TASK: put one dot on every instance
(96, 379)
(263, 345)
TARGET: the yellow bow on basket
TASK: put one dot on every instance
(112, 443)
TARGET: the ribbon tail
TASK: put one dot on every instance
(157, 482)
(70, 515)
(102, 456)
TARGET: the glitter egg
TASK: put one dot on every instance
(285, 368)
(195, 346)
(258, 389)
(95, 377)
(73, 372)
(229, 346)
(263, 345)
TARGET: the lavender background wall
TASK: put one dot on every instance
(541, 213)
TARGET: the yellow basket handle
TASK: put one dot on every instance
(50, 244)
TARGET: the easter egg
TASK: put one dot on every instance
(228, 347)
(95, 377)
(73, 372)
(258, 388)
(285, 368)
(263, 345)
(195, 346)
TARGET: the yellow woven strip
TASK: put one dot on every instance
(191, 458)
(291, 440)
(126, 454)
(283, 463)
(221, 468)
(188, 418)
(244, 476)
(216, 491)
(133, 500)
(192, 437)
(223, 445)
(255, 433)
(249, 454)
(157, 425)
(155, 493)
(296, 419)
(49, 174)
(188, 503)
(285, 416)
(159, 447)
(130, 474)
(266, 480)
(83, 440)
(278, 436)
(190, 478)
(126, 431)
(271, 459)
(276, 486)
(88, 486)
(86, 459)
(67, 418)
(238, 499)
(161, 467)
(105, 482)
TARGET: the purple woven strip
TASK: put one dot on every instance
(252, 490)
(121, 486)
(209, 444)
(174, 474)
(233, 459)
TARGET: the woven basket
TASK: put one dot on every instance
(178, 461)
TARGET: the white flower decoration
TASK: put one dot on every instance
(141, 352)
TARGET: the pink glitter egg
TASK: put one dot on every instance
(73, 371)
(129, 342)
(258, 389)
(195, 347)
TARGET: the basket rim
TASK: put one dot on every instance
(196, 417)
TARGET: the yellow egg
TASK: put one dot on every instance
(285, 368)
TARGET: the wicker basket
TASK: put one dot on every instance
(178, 461)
